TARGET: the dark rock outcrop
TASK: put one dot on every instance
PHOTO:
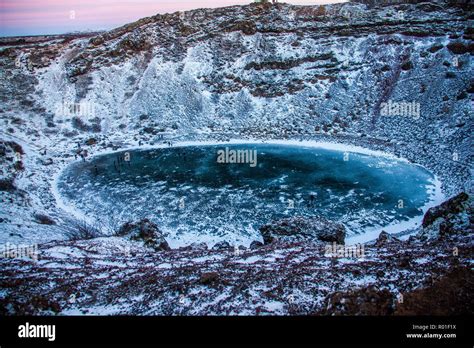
(146, 231)
(368, 301)
(449, 295)
(209, 278)
(453, 205)
(255, 245)
(385, 238)
(202, 246)
(246, 27)
(301, 228)
(44, 219)
(11, 155)
(453, 216)
(222, 246)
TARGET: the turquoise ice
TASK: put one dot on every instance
(186, 190)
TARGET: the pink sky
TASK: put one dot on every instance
(30, 17)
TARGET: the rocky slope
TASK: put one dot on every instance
(116, 276)
(260, 72)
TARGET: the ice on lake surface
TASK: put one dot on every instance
(193, 197)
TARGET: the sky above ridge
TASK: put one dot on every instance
(37, 17)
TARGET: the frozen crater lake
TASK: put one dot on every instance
(199, 193)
